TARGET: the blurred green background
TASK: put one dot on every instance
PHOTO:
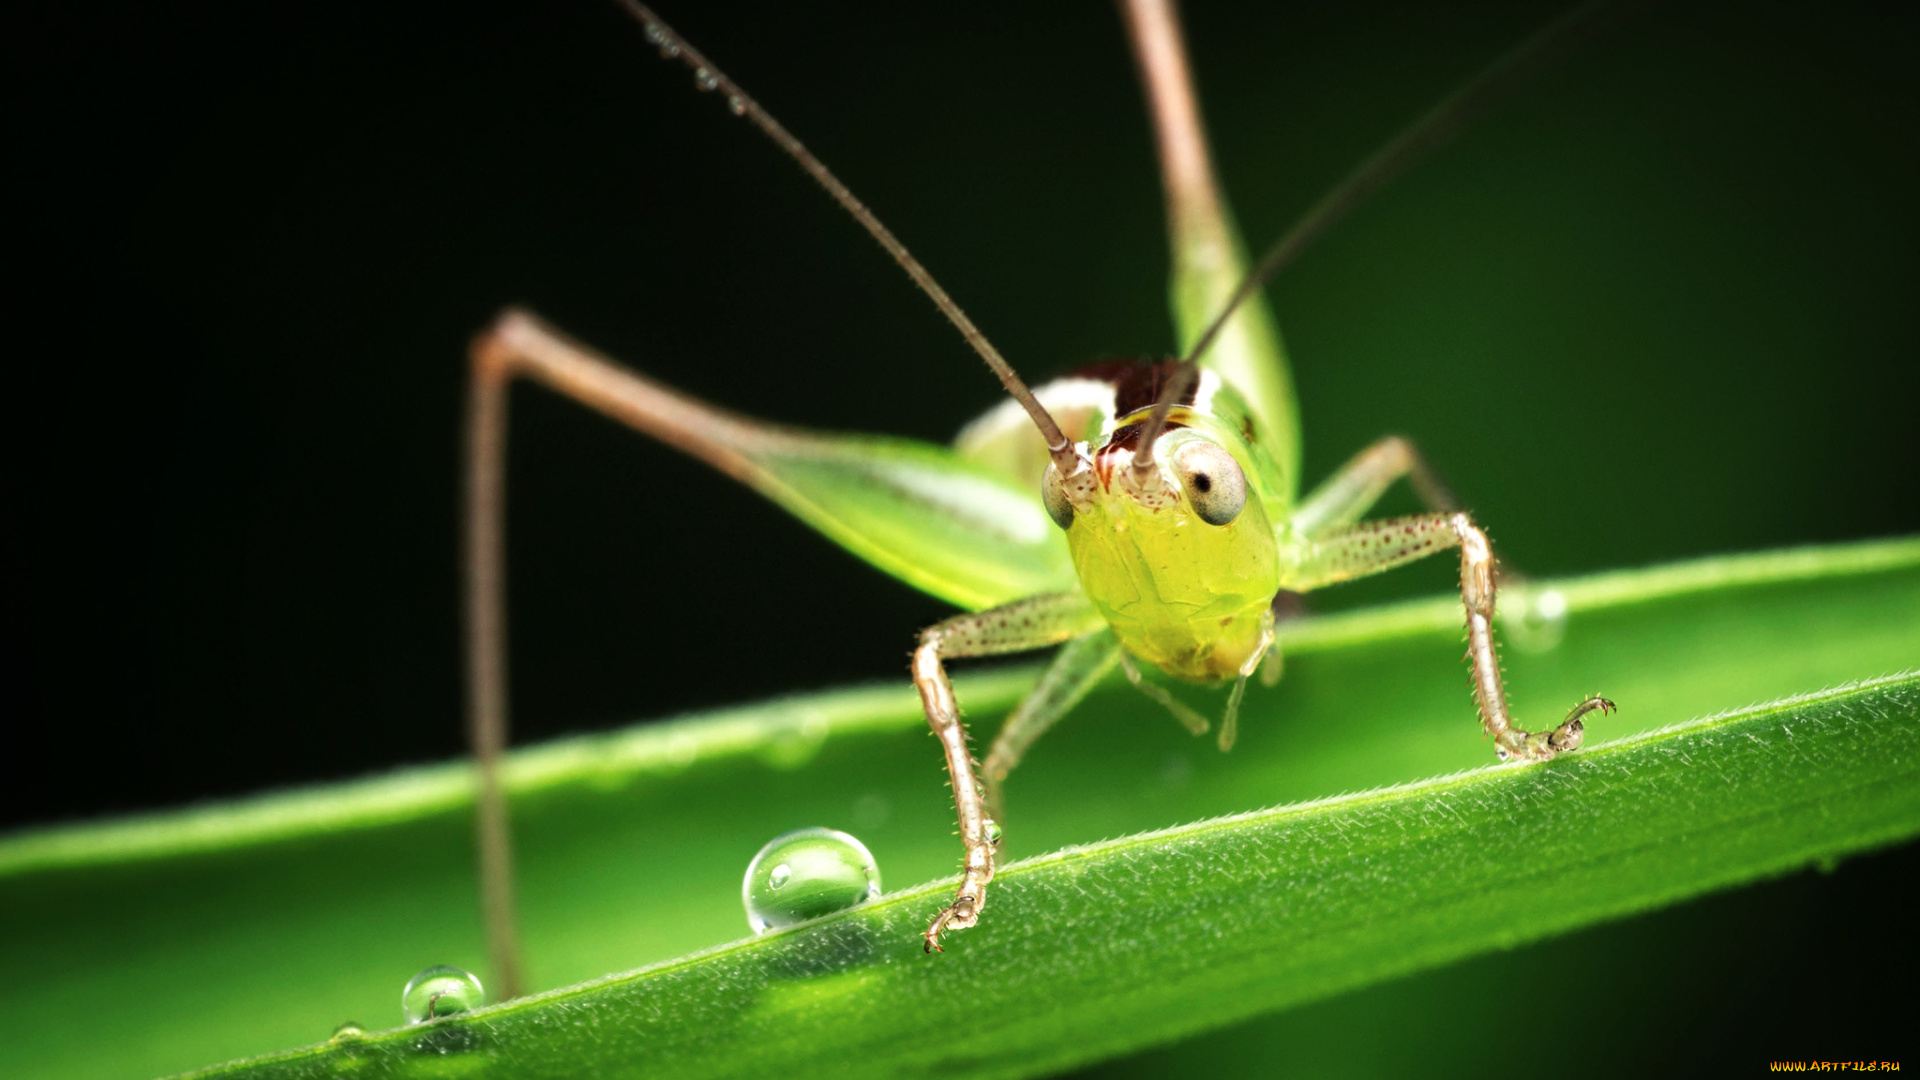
(1657, 304)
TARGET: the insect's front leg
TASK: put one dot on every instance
(1374, 546)
(1476, 594)
(1024, 624)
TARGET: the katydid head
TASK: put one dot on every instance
(1177, 551)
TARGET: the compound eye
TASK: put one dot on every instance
(1054, 495)
(1213, 481)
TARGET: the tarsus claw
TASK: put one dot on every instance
(960, 914)
(1589, 705)
(933, 931)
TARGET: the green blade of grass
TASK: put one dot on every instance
(241, 928)
(1104, 948)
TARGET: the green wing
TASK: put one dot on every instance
(927, 515)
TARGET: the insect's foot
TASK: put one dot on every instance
(1567, 736)
(959, 915)
(1542, 745)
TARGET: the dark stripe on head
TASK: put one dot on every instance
(1136, 383)
(1126, 438)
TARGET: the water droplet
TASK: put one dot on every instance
(993, 831)
(441, 990)
(814, 871)
(736, 104)
(348, 1032)
(668, 50)
(655, 35)
(1535, 622)
(704, 79)
(1501, 753)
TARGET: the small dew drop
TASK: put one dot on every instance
(814, 871)
(1501, 753)
(736, 105)
(993, 831)
(668, 50)
(348, 1032)
(1536, 622)
(704, 79)
(655, 35)
(441, 990)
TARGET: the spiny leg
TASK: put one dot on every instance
(1477, 596)
(1374, 546)
(1080, 664)
(1021, 625)
(1343, 499)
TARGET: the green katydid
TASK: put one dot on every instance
(1128, 513)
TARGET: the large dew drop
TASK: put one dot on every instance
(805, 874)
(439, 991)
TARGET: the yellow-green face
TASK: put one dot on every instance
(1190, 597)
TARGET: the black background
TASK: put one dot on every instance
(1660, 304)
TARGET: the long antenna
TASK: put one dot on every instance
(709, 77)
(1427, 132)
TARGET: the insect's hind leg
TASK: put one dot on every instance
(1024, 624)
(1080, 664)
(1375, 546)
(519, 346)
(484, 560)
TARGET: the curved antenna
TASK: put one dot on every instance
(709, 77)
(1427, 132)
